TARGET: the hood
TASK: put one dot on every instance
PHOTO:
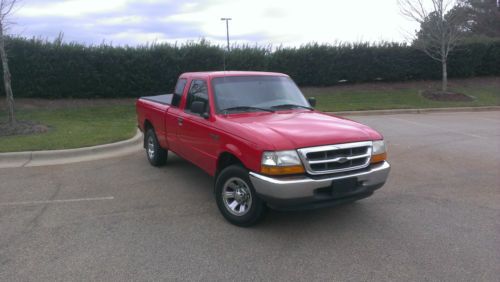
(299, 129)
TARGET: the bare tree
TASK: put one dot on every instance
(6, 7)
(440, 31)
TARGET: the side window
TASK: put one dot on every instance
(197, 92)
(179, 89)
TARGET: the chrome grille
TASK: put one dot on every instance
(336, 158)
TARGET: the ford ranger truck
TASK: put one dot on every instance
(263, 142)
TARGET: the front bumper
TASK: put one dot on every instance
(304, 192)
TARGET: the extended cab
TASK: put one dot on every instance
(263, 142)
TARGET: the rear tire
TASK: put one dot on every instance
(236, 198)
(157, 156)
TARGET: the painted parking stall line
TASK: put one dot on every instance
(57, 201)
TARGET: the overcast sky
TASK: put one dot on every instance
(262, 22)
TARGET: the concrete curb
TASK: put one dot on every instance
(55, 157)
(416, 111)
(122, 148)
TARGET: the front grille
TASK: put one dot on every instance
(336, 158)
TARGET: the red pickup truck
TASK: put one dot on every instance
(263, 142)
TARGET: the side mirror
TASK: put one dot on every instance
(198, 107)
(312, 101)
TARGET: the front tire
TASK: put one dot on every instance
(157, 156)
(236, 197)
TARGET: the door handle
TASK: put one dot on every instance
(179, 121)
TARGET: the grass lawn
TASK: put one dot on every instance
(73, 127)
(376, 96)
(78, 122)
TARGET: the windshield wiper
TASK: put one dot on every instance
(292, 106)
(246, 108)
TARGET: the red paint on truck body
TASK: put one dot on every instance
(244, 135)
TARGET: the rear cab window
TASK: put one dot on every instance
(179, 89)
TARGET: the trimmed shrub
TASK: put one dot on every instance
(45, 69)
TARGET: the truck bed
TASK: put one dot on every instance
(165, 99)
(153, 109)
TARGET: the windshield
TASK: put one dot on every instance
(256, 93)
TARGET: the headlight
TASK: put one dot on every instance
(379, 153)
(281, 162)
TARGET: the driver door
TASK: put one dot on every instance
(195, 131)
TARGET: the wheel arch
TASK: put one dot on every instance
(226, 159)
(147, 125)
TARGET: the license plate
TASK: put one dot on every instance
(342, 187)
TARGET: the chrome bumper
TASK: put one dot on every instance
(300, 187)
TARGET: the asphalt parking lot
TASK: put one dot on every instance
(437, 218)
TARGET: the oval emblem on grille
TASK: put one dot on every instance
(342, 160)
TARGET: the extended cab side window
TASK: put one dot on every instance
(197, 92)
(179, 89)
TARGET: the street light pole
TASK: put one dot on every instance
(227, 30)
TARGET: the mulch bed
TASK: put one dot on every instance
(446, 96)
(22, 128)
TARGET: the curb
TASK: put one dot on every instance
(134, 144)
(55, 157)
(416, 111)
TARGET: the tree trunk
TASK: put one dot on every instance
(444, 86)
(6, 80)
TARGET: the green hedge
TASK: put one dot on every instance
(53, 70)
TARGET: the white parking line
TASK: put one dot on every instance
(56, 201)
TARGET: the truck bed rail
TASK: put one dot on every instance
(165, 99)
